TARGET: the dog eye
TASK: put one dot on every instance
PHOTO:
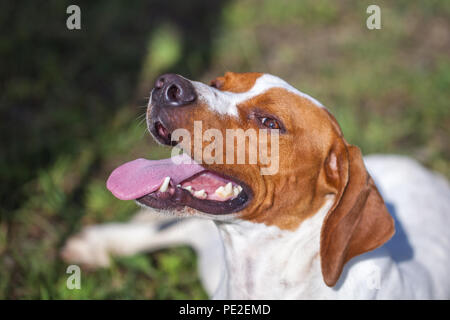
(270, 123)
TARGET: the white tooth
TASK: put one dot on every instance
(224, 192)
(188, 188)
(178, 185)
(229, 188)
(220, 190)
(200, 194)
(165, 184)
(237, 190)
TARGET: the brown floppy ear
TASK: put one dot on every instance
(358, 222)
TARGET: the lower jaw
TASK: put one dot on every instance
(182, 198)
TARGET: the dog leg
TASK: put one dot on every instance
(94, 245)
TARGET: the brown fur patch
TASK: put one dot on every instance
(236, 82)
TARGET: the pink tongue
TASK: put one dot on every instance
(137, 178)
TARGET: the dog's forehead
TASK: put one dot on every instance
(268, 81)
(226, 102)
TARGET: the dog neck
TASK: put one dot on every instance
(265, 262)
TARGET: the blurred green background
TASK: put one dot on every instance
(72, 106)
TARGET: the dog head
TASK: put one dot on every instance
(262, 151)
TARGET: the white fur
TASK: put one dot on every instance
(265, 262)
(268, 263)
(225, 102)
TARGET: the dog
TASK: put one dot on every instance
(327, 224)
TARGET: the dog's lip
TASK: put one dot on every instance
(179, 198)
(161, 133)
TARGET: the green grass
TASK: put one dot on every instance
(388, 88)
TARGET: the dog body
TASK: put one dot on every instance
(318, 228)
(266, 263)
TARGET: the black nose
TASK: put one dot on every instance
(174, 90)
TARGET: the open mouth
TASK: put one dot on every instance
(178, 182)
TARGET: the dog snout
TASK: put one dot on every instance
(173, 90)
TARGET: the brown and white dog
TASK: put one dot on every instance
(286, 235)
